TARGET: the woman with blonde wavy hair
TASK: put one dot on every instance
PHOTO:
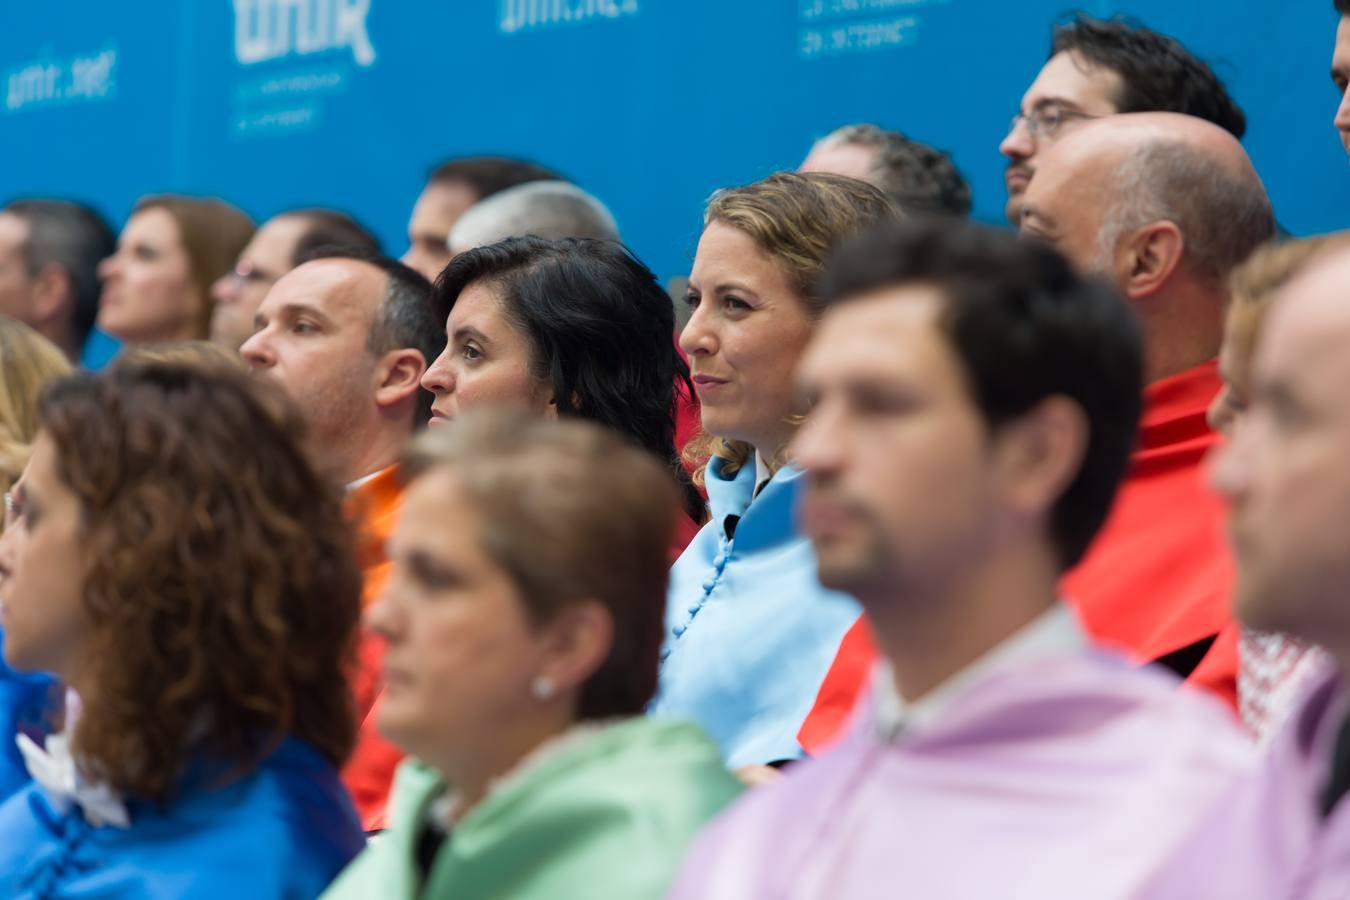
(751, 633)
(27, 362)
(193, 582)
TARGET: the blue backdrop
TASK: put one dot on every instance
(651, 104)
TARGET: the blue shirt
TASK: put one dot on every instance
(751, 631)
(282, 831)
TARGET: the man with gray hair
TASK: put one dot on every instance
(1165, 206)
(548, 209)
(49, 256)
(919, 178)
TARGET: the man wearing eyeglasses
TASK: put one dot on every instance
(1100, 68)
(281, 244)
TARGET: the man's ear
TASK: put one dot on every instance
(1041, 453)
(1148, 257)
(398, 376)
(53, 295)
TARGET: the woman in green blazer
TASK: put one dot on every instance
(523, 620)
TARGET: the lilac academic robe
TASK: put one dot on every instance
(1064, 778)
(1265, 840)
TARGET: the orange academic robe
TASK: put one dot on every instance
(374, 506)
(1156, 581)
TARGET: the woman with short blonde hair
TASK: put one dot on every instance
(27, 362)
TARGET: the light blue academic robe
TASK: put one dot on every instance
(751, 631)
(283, 831)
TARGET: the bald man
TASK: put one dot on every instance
(1286, 832)
(1164, 206)
(348, 338)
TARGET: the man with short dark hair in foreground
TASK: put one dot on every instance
(1002, 756)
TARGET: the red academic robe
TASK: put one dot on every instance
(1157, 579)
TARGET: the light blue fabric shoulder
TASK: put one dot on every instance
(751, 631)
(284, 831)
(28, 703)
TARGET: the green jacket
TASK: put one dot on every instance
(604, 814)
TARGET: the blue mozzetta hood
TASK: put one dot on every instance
(751, 631)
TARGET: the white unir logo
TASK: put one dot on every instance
(271, 29)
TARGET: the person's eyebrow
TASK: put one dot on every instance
(468, 331)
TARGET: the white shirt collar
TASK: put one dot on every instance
(1055, 632)
(351, 486)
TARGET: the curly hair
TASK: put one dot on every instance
(919, 178)
(221, 588)
(797, 218)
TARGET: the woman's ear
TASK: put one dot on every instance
(577, 642)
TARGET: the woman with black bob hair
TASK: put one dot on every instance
(573, 327)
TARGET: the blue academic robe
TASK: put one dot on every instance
(27, 704)
(283, 831)
(751, 632)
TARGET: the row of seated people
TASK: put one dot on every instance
(971, 405)
(766, 654)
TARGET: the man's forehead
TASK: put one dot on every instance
(1307, 331)
(1069, 78)
(882, 328)
(333, 285)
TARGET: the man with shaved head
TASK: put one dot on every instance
(348, 338)
(1164, 206)
(1285, 833)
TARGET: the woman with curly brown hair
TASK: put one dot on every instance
(181, 567)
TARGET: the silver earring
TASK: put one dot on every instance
(542, 687)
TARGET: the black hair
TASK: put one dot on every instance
(1025, 327)
(486, 175)
(327, 228)
(1158, 74)
(1342, 6)
(74, 237)
(407, 318)
(601, 332)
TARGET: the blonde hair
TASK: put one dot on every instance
(27, 362)
(1255, 283)
(797, 218)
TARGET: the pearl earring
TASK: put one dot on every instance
(542, 687)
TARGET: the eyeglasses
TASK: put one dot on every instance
(1046, 121)
(247, 274)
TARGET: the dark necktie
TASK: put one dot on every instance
(1339, 782)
